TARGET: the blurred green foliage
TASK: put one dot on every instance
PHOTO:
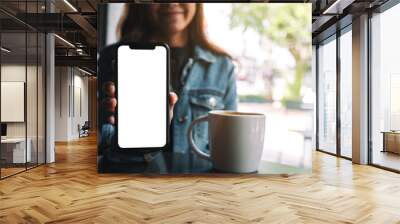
(254, 99)
(287, 25)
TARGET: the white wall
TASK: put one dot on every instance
(71, 95)
(80, 103)
(12, 73)
(33, 126)
(62, 81)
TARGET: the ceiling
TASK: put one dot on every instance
(75, 22)
(76, 25)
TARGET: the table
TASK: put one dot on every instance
(185, 163)
(391, 141)
(13, 150)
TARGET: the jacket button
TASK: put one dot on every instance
(212, 102)
(182, 119)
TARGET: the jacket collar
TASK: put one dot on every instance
(202, 54)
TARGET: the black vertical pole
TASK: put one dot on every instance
(45, 88)
(338, 81)
(26, 86)
(0, 97)
(317, 97)
(37, 89)
(369, 90)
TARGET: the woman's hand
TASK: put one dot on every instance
(110, 102)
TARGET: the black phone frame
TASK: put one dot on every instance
(141, 46)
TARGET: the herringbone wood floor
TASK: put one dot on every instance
(71, 191)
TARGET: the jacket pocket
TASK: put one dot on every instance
(204, 101)
(201, 102)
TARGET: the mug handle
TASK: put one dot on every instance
(193, 146)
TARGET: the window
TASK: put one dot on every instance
(346, 93)
(327, 96)
(385, 89)
(22, 88)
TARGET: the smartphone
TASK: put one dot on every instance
(142, 112)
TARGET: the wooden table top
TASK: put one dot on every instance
(71, 191)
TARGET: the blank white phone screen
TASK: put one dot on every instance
(142, 100)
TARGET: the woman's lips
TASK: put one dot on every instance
(173, 13)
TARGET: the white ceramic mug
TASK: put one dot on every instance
(236, 140)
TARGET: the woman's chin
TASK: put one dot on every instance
(174, 28)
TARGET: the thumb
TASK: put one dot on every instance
(173, 98)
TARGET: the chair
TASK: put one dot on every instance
(84, 129)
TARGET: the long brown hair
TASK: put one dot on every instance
(134, 24)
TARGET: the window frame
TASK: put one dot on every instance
(28, 29)
(347, 27)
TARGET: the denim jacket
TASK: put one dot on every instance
(208, 84)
